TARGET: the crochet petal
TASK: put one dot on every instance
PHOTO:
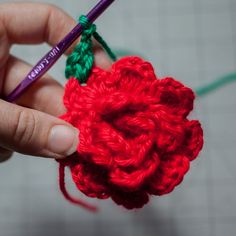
(169, 175)
(90, 179)
(72, 89)
(193, 141)
(130, 200)
(132, 67)
(176, 96)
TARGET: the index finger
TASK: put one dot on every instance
(30, 23)
(33, 23)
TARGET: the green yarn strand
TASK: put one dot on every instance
(81, 60)
(105, 46)
(217, 84)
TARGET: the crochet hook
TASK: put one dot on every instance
(56, 52)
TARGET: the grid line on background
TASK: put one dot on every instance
(191, 40)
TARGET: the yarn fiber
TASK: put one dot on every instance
(80, 62)
(135, 137)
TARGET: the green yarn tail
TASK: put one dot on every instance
(217, 84)
(81, 60)
(105, 46)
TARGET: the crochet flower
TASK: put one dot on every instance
(135, 138)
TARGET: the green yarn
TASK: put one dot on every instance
(217, 84)
(105, 46)
(80, 62)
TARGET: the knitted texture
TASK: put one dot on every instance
(79, 63)
(135, 138)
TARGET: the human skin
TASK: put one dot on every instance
(30, 126)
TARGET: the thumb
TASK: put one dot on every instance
(35, 133)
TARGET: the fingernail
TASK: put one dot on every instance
(63, 140)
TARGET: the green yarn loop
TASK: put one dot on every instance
(80, 62)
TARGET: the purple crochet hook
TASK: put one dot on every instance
(54, 54)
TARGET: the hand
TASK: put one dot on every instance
(30, 126)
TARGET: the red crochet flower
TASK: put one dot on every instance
(135, 139)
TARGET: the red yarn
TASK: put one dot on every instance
(135, 139)
(67, 195)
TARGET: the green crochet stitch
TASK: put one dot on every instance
(80, 62)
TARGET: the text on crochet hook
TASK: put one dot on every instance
(43, 63)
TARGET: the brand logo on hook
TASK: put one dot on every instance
(43, 63)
